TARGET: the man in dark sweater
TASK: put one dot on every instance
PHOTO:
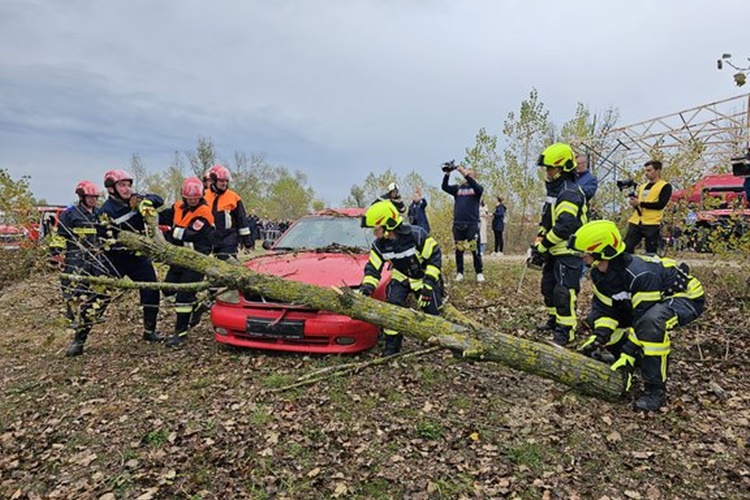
(465, 219)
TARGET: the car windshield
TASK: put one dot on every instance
(321, 231)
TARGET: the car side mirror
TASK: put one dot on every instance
(267, 244)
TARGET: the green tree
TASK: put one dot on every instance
(485, 160)
(16, 199)
(527, 134)
(203, 158)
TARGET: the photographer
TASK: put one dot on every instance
(648, 201)
(465, 217)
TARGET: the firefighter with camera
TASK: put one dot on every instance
(416, 265)
(637, 301)
(564, 212)
(648, 201)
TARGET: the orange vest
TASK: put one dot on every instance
(227, 201)
(183, 217)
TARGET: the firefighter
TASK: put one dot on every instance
(77, 227)
(416, 265)
(229, 215)
(191, 225)
(563, 213)
(123, 211)
(649, 294)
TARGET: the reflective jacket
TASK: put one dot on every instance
(191, 227)
(563, 213)
(415, 256)
(631, 286)
(230, 219)
(652, 203)
(79, 227)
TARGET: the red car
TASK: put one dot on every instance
(328, 248)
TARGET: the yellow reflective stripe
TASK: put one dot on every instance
(561, 249)
(672, 322)
(375, 260)
(645, 297)
(370, 280)
(84, 230)
(415, 284)
(569, 320)
(398, 275)
(432, 271)
(57, 242)
(617, 335)
(429, 247)
(551, 311)
(184, 308)
(388, 331)
(694, 290)
(553, 238)
(566, 206)
(606, 322)
(599, 295)
(656, 348)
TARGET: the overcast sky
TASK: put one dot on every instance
(334, 88)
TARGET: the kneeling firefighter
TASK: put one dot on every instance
(416, 260)
(651, 294)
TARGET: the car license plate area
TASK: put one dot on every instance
(284, 329)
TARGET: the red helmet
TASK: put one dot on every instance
(192, 187)
(207, 175)
(87, 188)
(113, 176)
(219, 173)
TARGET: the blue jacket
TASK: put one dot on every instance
(467, 196)
(588, 183)
(498, 218)
(418, 214)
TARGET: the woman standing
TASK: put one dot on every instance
(498, 225)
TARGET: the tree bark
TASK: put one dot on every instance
(469, 339)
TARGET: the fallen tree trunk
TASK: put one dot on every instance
(472, 341)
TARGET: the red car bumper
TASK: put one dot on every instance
(290, 329)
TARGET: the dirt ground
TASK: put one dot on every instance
(130, 419)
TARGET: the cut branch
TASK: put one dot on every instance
(136, 285)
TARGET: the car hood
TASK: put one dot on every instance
(322, 269)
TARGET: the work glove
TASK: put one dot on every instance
(146, 208)
(134, 201)
(534, 258)
(592, 343)
(626, 363)
(425, 296)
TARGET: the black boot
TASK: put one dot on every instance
(653, 398)
(176, 339)
(149, 325)
(76, 347)
(392, 344)
(548, 325)
(199, 309)
(562, 335)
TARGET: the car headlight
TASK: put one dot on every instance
(229, 296)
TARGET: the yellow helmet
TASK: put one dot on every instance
(382, 213)
(558, 155)
(600, 238)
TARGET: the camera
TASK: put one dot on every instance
(449, 166)
(628, 184)
(741, 165)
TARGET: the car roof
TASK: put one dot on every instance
(349, 212)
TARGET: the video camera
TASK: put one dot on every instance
(741, 165)
(449, 166)
(629, 184)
